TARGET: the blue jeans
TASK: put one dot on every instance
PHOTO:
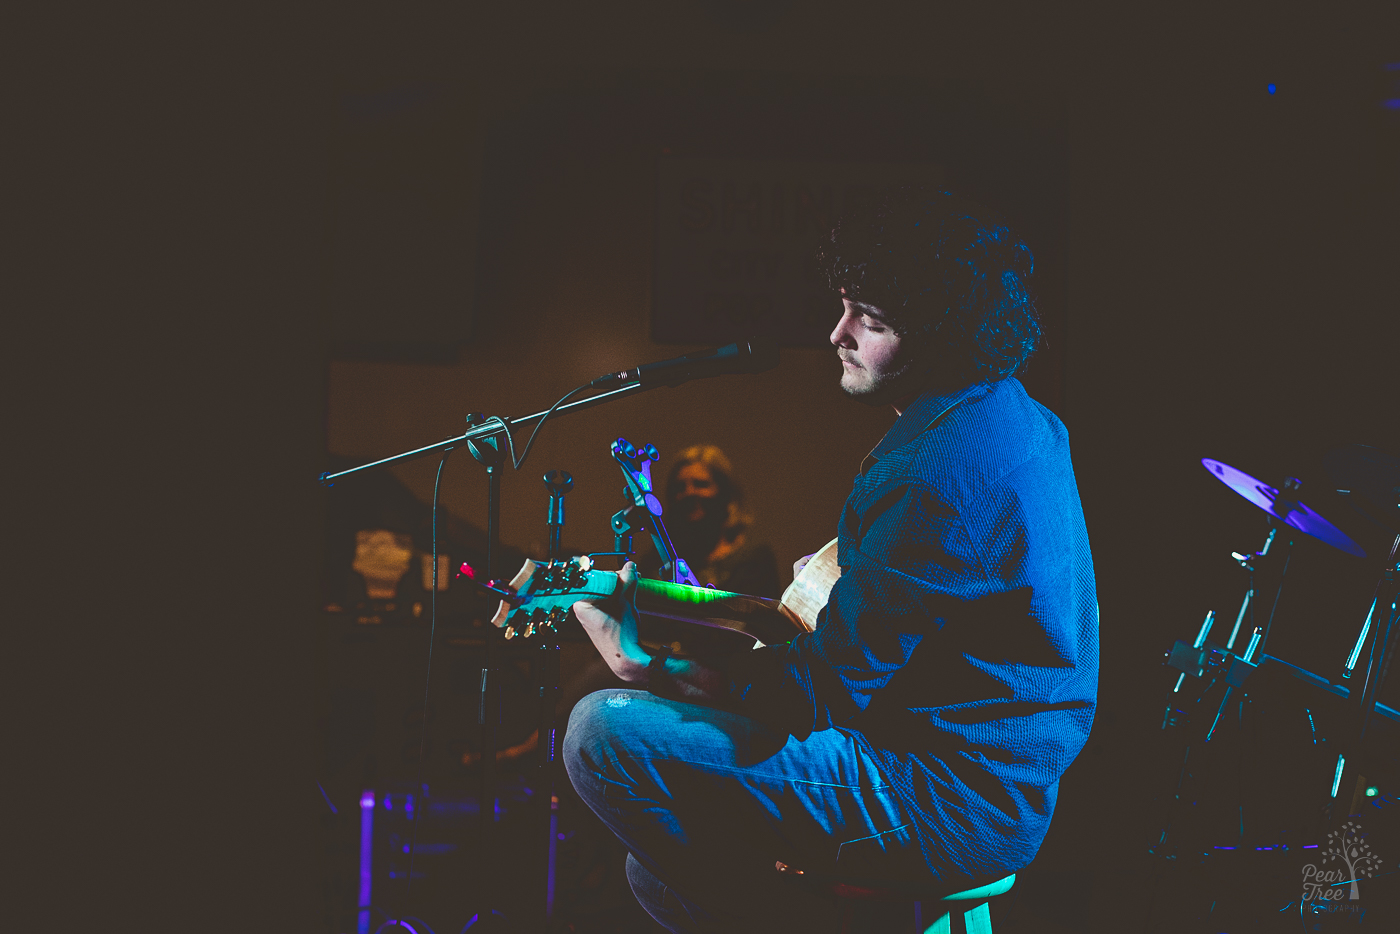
(707, 801)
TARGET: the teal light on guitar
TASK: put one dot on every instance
(540, 596)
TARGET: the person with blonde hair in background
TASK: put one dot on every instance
(710, 524)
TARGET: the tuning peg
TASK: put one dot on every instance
(496, 588)
(510, 631)
(651, 453)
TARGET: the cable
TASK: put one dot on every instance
(530, 442)
(432, 623)
(427, 683)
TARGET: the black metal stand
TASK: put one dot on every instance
(488, 453)
(1240, 666)
(559, 483)
(494, 427)
(1383, 636)
(1378, 640)
(488, 439)
(1234, 667)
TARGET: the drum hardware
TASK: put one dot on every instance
(1286, 511)
(1283, 505)
(1383, 636)
(1192, 661)
(1231, 665)
(1375, 475)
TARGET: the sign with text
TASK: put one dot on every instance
(736, 242)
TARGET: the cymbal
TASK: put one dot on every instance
(1289, 511)
(1374, 474)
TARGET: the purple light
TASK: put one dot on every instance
(366, 857)
(1310, 846)
(1225, 848)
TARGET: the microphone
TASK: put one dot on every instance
(750, 356)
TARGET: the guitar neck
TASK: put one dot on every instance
(762, 618)
(546, 592)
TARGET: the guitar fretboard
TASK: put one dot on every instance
(684, 593)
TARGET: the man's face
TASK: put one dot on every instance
(877, 366)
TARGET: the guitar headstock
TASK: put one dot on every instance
(636, 468)
(540, 595)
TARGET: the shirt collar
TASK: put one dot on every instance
(921, 415)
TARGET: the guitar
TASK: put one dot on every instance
(704, 619)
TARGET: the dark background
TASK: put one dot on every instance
(240, 218)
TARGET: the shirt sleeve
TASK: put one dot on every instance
(910, 565)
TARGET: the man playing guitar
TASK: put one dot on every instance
(918, 735)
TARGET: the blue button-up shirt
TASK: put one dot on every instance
(960, 644)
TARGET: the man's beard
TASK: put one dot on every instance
(887, 387)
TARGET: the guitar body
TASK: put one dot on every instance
(693, 620)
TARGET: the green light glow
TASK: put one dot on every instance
(1372, 791)
(683, 593)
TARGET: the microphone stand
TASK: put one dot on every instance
(558, 483)
(486, 439)
(483, 429)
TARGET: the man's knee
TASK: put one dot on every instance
(598, 727)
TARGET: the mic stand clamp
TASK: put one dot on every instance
(623, 529)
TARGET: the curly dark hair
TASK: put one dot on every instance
(944, 270)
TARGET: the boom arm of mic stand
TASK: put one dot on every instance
(488, 428)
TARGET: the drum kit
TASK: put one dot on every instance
(1224, 681)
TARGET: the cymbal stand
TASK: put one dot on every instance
(1383, 637)
(1241, 665)
(1378, 637)
(1200, 656)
